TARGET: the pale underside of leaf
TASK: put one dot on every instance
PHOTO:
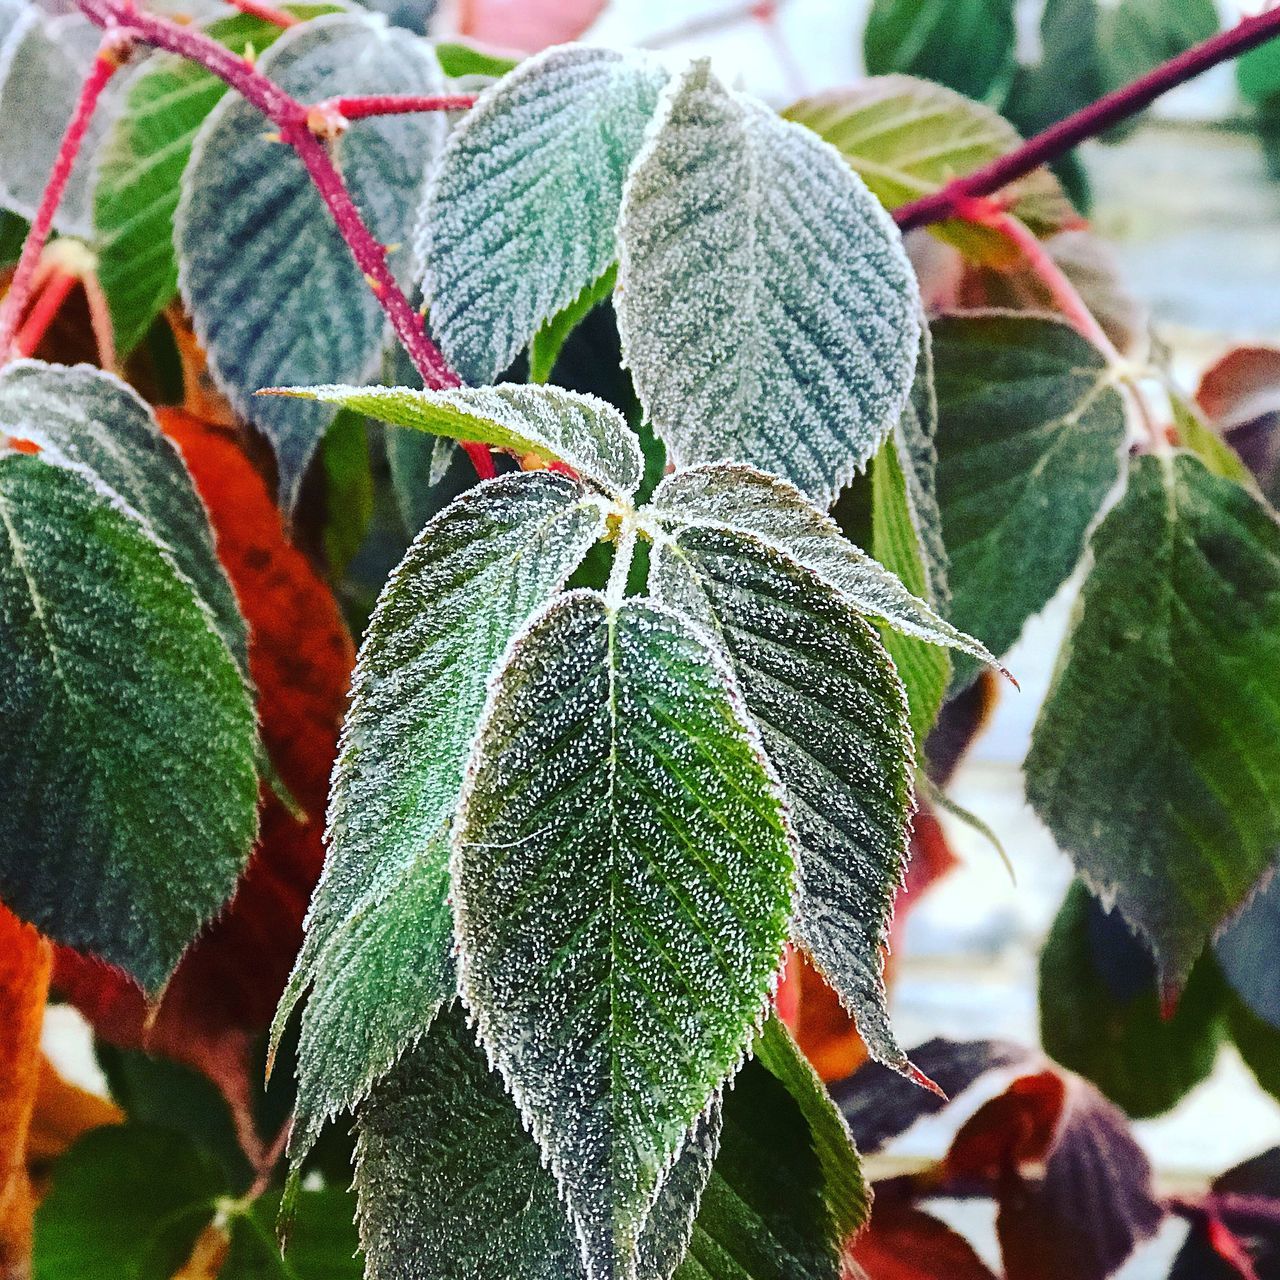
(522, 211)
(766, 308)
(555, 425)
(1155, 758)
(271, 286)
(622, 878)
(131, 792)
(472, 578)
(833, 716)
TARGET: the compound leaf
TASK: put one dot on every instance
(522, 213)
(273, 290)
(379, 930)
(622, 885)
(128, 717)
(766, 308)
(1156, 758)
(556, 425)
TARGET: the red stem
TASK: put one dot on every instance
(1092, 121)
(397, 104)
(292, 119)
(105, 65)
(47, 304)
(267, 12)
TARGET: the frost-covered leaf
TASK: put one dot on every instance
(833, 717)
(622, 885)
(127, 717)
(140, 167)
(733, 497)
(1029, 436)
(273, 290)
(43, 63)
(379, 932)
(967, 45)
(522, 212)
(767, 310)
(907, 138)
(556, 425)
(1101, 1014)
(84, 418)
(1156, 758)
(452, 1187)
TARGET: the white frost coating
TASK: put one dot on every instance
(43, 63)
(522, 213)
(470, 580)
(732, 496)
(272, 288)
(582, 430)
(766, 308)
(622, 873)
(833, 715)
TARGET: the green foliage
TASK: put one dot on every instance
(1155, 766)
(1030, 425)
(967, 45)
(272, 289)
(766, 308)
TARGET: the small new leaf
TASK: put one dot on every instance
(622, 886)
(766, 308)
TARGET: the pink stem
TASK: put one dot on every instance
(1091, 121)
(267, 12)
(105, 65)
(56, 290)
(396, 104)
(292, 118)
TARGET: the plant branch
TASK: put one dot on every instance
(293, 119)
(267, 12)
(112, 54)
(1091, 121)
(397, 104)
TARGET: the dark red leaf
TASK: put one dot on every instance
(1239, 1226)
(903, 1242)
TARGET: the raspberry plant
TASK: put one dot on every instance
(634, 720)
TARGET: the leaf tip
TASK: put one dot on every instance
(916, 1076)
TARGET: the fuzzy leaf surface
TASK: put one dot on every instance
(379, 930)
(272, 288)
(130, 717)
(738, 498)
(582, 430)
(622, 885)
(833, 717)
(907, 138)
(1156, 755)
(452, 1186)
(766, 308)
(1029, 436)
(83, 418)
(522, 213)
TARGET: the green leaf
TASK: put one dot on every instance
(583, 431)
(967, 45)
(273, 290)
(522, 213)
(87, 420)
(127, 1201)
(844, 1188)
(43, 63)
(1258, 73)
(906, 537)
(322, 1241)
(128, 717)
(1136, 36)
(349, 490)
(549, 341)
(1156, 758)
(1100, 1011)
(1029, 436)
(140, 167)
(622, 883)
(452, 1186)
(736, 498)
(833, 717)
(379, 930)
(908, 138)
(766, 308)
(458, 59)
(1196, 435)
